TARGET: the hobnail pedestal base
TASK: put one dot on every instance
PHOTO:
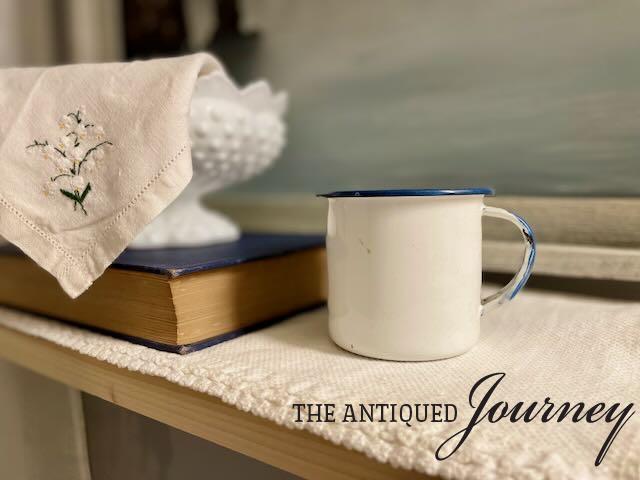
(187, 224)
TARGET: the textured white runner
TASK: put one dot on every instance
(549, 345)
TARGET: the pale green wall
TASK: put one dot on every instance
(531, 97)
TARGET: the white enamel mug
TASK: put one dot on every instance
(405, 270)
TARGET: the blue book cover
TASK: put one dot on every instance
(176, 262)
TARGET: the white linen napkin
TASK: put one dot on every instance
(89, 155)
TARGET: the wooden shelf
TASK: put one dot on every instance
(207, 417)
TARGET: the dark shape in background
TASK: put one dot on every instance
(154, 28)
(158, 28)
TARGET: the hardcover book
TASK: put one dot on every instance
(181, 299)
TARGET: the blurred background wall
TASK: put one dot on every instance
(531, 97)
(50, 32)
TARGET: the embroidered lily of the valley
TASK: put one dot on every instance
(81, 145)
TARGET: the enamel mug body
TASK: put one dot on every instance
(405, 271)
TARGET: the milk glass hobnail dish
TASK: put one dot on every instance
(236, 134)
(405, 271)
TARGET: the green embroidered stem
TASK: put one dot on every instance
(87, 189)
(77, 197)
(53, 179)
(69, 194)
(86, 155)
(75, 115)
(38, 144)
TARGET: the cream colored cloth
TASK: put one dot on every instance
(89, 155)
(549, 345)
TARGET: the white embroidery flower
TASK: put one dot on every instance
(67, 142)
(77, 183)
(50, 189)
(97, 154)
(48, 152)
(63, 164)
(88, 167)
(97, 132)
(65, 122)
(82, 112)
(75, 154)
(81, 131)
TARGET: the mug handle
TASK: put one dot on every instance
(512, 288)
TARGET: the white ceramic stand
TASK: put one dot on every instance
(187, 223)
(236, 134)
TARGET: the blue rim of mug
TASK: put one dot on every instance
(409, 192)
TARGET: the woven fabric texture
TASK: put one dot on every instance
(567, 348)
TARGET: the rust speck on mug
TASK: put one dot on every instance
(364, 246)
